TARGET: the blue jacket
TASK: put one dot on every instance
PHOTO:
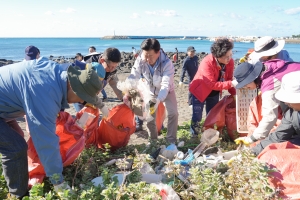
(190, 65)
(38, 89)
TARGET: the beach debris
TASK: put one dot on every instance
(180, 144)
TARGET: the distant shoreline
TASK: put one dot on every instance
(124, 37)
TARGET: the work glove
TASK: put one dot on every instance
(104, 111)
(180, 84)
(59, 189)
(153, 106)
(244, 140)
(234, 83)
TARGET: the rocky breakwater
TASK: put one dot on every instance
(127, 61)
(6, 62)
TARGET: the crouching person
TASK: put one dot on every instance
(157, 70)
(289, 129)
(39, 89)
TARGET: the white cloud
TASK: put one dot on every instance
(135, 16)
(292, 11)
(20, 15)
(167, 13)
(235, 16)
(49, 13)
(68, 10)
(160, 25)
(222, 25)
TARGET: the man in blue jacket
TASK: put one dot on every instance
(39, 89)
(190, 65)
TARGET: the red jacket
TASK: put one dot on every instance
(206, 78)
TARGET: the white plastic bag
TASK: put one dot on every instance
(144, 92)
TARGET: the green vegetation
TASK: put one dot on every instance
(244, 179)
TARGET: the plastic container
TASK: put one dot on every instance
(210, 136)
(243, 99)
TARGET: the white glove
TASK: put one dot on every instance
(180, 84)
(59, 189)
(153, 108)
(234, 83)
(104, 111)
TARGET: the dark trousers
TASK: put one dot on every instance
(13, 148)
(198, 107)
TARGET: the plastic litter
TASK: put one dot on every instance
(166, 191)
(187, 160)
(85, 120)
(210, 136)
(180, 144)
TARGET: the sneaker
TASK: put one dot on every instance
(195, 129)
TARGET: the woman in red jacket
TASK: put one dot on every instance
(214, 74)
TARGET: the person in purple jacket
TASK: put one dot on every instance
(266, 48)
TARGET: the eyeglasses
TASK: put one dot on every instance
(111, 67)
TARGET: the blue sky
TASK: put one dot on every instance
(97, 18)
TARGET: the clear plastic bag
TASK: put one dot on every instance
(137, 94)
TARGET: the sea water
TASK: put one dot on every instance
(13, 48)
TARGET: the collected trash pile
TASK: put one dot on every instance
(167, 169)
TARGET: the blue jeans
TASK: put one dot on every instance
(138, 121)
(13, 148)
(104, 93)
(198, 107)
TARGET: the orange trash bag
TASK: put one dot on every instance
(116, 128)
(71, 143)
(285, 158)
(160, 116)
(223, 114)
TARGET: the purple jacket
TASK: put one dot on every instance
(276, 69)
(271, 81)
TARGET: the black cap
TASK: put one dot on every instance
(191, 48)
(31, 52)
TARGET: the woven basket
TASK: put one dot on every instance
(243, 99)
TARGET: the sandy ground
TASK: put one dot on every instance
(185, 112)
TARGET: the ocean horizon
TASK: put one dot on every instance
(13, 48)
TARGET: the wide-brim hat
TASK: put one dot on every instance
(267, 46)
(85, 84)
(290, 88)
(93, 54)
(246, 73)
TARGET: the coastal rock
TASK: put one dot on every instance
(127, 61)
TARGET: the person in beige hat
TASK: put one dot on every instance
(39, 89)
(267, 48)
(288, 130)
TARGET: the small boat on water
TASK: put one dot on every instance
(183, 38)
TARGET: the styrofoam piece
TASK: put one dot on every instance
(243, 99)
